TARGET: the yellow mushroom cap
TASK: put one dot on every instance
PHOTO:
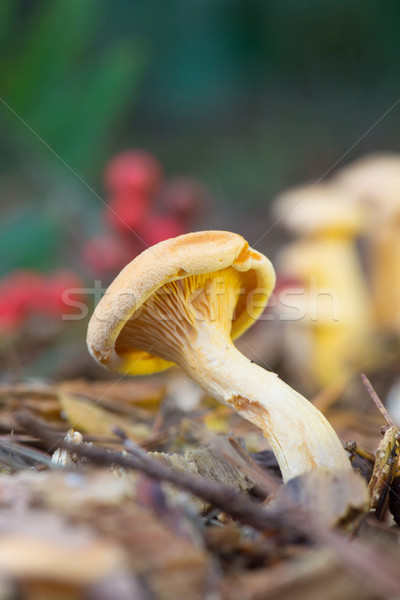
(204, 253)
(321, 208)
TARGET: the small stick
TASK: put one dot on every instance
(130, 445)
(377, 401)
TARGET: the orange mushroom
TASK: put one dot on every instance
(183, 301)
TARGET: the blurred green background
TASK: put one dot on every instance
(248, 96)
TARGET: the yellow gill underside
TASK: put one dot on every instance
(157, 333)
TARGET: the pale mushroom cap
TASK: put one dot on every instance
(200, 253)
(374, 180)
(310, 209)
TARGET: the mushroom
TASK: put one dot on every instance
(183, 301)
(335, 304)
(375, 182)
(384, 265)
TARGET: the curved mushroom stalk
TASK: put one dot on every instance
(299, 435)
(189, 318)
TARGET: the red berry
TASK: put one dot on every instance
(11, 317)
(59, 293)
(22, 281)
(17, 292)
(20, 287)
(134, 170)
(127, 210)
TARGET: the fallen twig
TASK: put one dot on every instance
(377, 401)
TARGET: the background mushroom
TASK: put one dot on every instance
(183, 301)
(375, 183)
(334, 305)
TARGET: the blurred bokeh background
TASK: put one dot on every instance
(234, 101)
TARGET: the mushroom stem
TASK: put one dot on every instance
(300, 436)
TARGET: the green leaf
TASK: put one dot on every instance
(46, 50)
(29, 240)
(90, 108)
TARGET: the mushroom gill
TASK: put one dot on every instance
(169, 320)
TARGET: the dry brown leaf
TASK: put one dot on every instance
(143, 393)
(86, 415)
(173, 565)
(41, 399)
(50, 558)
(64, 491)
